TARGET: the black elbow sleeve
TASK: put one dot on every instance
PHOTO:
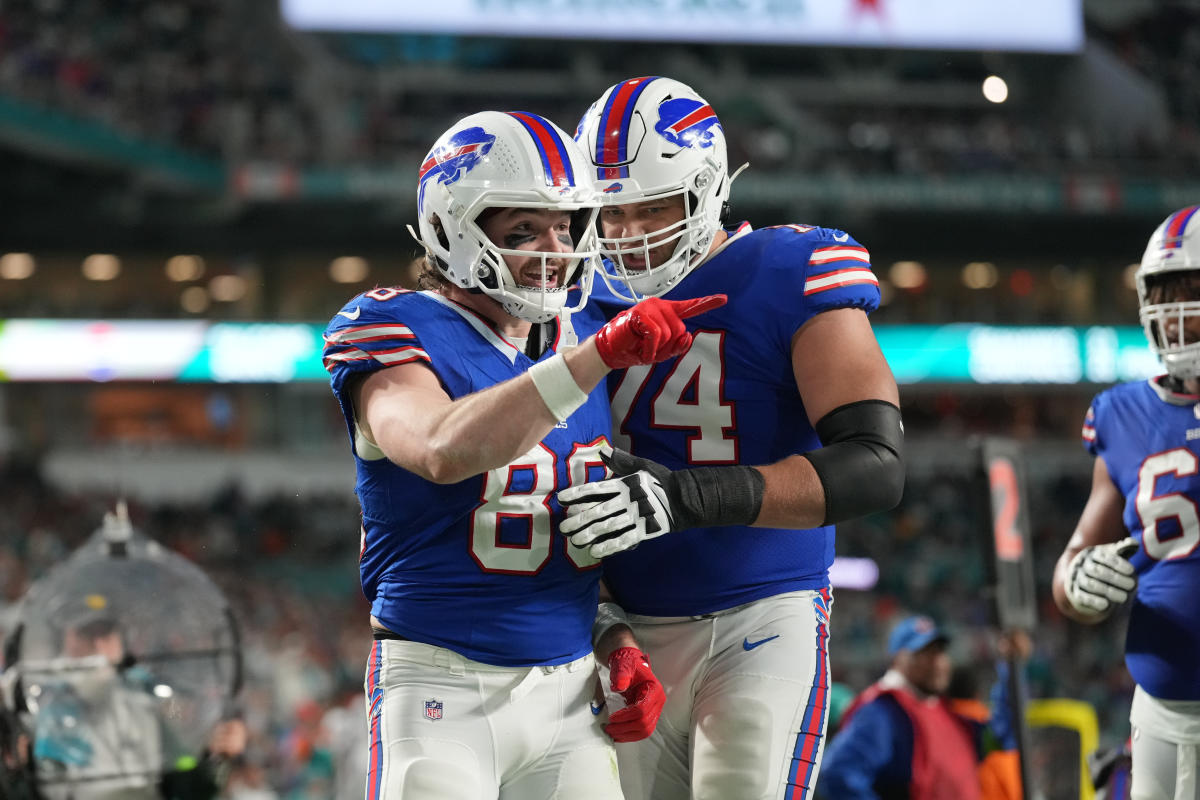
(861, 465)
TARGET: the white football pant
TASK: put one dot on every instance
(444, 727)
(747, 702)
(1166, 748)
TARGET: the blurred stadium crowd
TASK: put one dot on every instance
(228, 79)
(288, 566)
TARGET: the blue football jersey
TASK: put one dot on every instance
(1149, 438)
(732, 399)
(477, 566)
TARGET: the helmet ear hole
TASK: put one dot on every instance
(438, 229)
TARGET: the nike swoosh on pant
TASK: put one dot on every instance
(749, 645)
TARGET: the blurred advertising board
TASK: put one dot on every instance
(1052, 26)
(274, 352)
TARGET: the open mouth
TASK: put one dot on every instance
(535, 278)
(634, 262)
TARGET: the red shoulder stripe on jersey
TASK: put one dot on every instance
(823, 255)
(838, 279)
(351, 354)
(369, 333)
(400, 355)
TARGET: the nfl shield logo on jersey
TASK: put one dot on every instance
(433, 709)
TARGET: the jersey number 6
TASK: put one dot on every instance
(1153, 510)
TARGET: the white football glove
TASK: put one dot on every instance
(1100, 578)
(616, 514)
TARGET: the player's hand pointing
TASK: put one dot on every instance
(651, 331)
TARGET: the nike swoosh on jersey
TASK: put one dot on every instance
(351, 315)
(841, 237)
(596, 709)
(749, 645)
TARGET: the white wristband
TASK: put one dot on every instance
(607, 615)
(557, 386)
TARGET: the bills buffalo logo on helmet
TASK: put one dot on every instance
(685, 122)
(582, 120)
(454, 158)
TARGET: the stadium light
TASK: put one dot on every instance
(348, 269)
(980, 275)
(194, 300)
(16, 266)
(995, 89)
(227, 288)
(184, 268)
(908, 274)
(1021, 282)
(101, 267)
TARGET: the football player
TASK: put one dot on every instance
(735, 459)
(468, 404)
(1138, 533)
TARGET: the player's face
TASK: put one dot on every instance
(651, 219)
(545, 230)
(1183, 287)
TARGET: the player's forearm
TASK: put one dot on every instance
(1058, 585)
(491, 428)
(614, 638)
(792, 495)
(1088, 532)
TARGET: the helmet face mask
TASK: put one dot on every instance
(633, 257)
(1168, 287)
(654, 139)
(498, 160)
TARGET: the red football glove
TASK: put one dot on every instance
(629, 675)
(651, 331)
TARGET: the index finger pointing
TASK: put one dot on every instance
(690, 308)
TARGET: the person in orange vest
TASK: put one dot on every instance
(903, 738)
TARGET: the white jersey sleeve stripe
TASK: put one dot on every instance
(367, 333)
(824, 255)
(351, 354)
(843, 277)
(400, 355)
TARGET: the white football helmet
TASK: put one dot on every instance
(652, 138)
(511, 160)
(1173, 252)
